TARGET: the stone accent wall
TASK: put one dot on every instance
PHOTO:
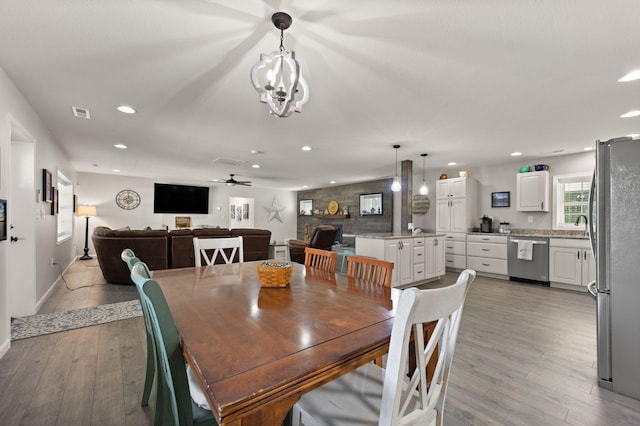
(349, 195)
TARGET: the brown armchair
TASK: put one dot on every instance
(322, 238)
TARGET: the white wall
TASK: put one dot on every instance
(14, 108)
(100, 190)
(503, 178)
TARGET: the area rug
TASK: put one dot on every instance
(38, 325)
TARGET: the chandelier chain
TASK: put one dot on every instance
(281, 39)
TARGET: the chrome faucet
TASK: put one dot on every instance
(586, 223)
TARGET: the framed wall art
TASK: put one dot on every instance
(500, 199)
(47, 189)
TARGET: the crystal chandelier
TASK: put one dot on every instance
(396, 186)
(276, 77)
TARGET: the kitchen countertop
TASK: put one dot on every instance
(540, 233)
(393, 235)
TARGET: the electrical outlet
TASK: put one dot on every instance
(53, 261)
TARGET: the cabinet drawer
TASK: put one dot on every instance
(455, 261)
(494, 239)
(483, 264)
(456, 237)
(496, 251)
(418, 272)
(418, 242)
(569, 242)
(455, 247)
(418, 254)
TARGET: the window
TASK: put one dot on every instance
(65, 208)
(571, 200)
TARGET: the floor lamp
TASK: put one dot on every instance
(87, 212)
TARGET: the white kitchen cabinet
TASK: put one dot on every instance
(487, 254)
(455, 249)
(571, 263)
(415, 258)
(434, 257)
(456, 205)
(451, 188)
(532, 191)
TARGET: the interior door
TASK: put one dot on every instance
(21, 273)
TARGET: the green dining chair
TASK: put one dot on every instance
(129, 257)
(140, 275)
(175, 404)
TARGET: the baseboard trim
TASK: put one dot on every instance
(4, 348)
(46, 296)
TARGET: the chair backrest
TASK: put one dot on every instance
(176, 399)
(370, 269)
(323, 237)
(203, 246)
(129, 257)
(417, 399)
(321, 259)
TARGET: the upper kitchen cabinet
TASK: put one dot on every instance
(451, 188)
(532, 191)
(456, 204)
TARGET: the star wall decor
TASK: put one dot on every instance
(274, 210)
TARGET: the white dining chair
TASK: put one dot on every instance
(203, 246)
(371, 395)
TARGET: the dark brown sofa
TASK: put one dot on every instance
(161, 249)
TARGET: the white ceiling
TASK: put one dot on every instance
(465, 81)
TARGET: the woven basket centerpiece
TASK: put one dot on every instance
(274, 273)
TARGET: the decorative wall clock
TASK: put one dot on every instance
(128, 199)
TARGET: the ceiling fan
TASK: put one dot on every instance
(232, 182)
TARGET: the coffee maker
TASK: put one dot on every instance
(486, 224)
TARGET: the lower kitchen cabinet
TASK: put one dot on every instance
(415, 259)
(455, 249)
(571, 264)
(487, 254)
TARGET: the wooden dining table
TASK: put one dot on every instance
(256, 350)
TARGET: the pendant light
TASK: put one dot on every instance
(396, 186)
(424, 189)
(277, 78)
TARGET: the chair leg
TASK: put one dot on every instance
(151, 371)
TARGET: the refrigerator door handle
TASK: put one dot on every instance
(592, 288)
(592, 234)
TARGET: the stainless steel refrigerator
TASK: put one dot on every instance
(615, 237)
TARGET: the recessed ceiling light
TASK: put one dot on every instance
(306, 148)
(629, 114)
(116, 170)
(515, 154)
(304, 186)
(126, 109)
(453, 163)
(256, 166)
(255, 152)
(120, 146)
(634, 135)
(332, 182)
(588, 148)
(633, 75)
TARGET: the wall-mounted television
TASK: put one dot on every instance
(169, 198)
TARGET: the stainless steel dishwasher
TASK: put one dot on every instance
(534, 270)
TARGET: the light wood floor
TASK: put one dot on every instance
(525, 356)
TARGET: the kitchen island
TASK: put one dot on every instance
(417, 258)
